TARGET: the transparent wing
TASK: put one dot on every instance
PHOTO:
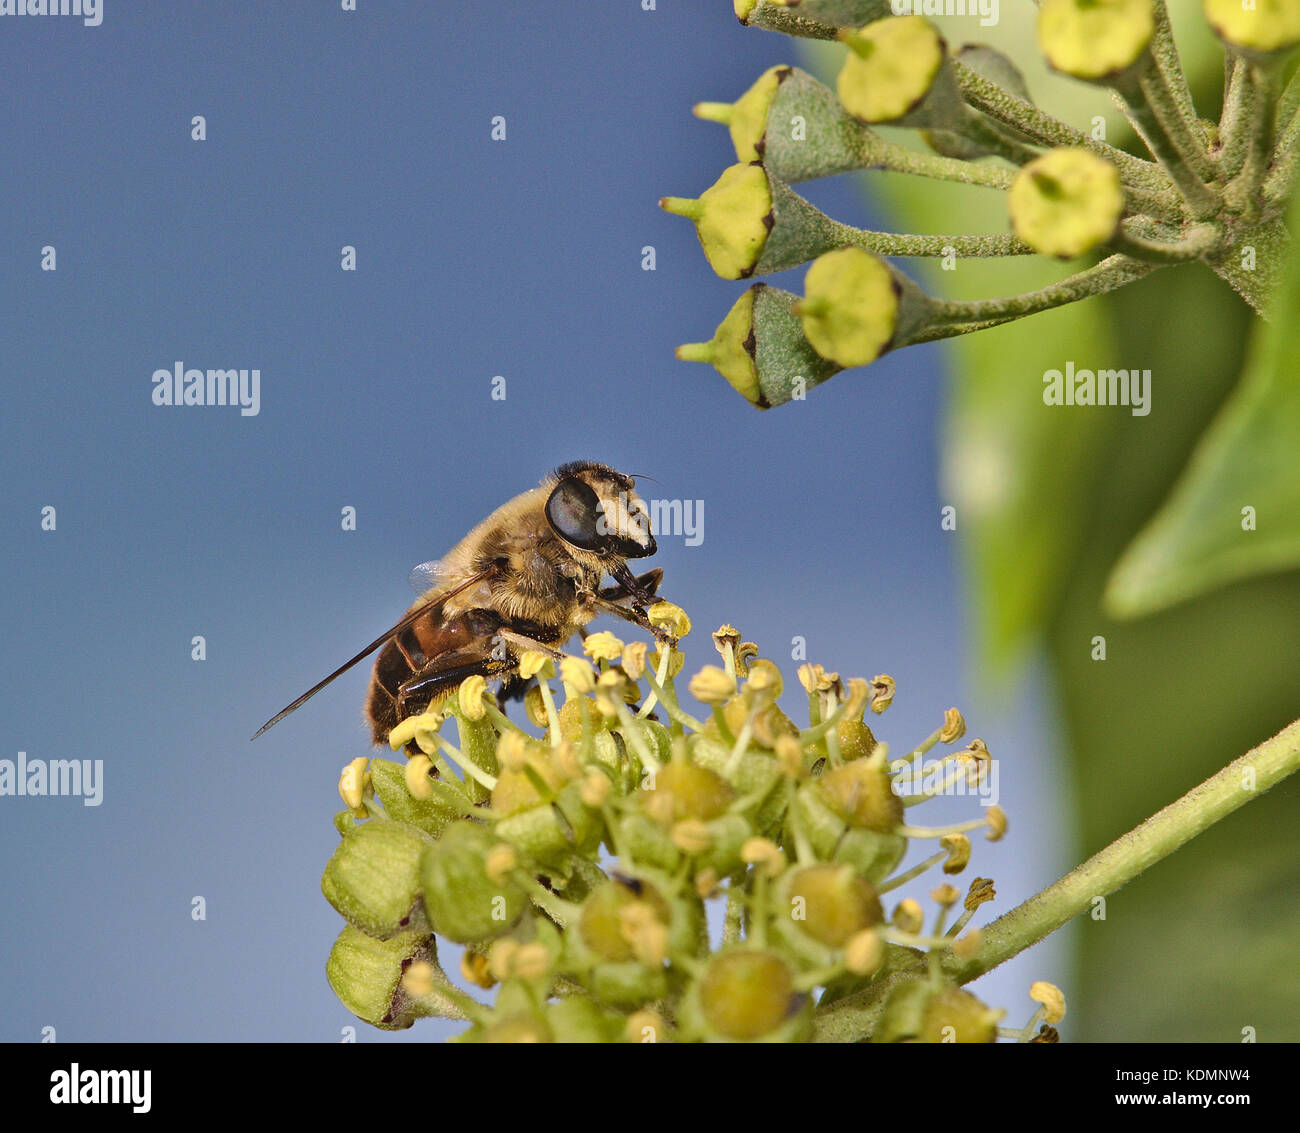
(426, 576)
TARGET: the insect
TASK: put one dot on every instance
(527, 577)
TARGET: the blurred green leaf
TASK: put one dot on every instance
(1248, 459)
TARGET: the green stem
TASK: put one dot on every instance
(1243, 192)
(1170, 145)
(1240, 105)
(1197, 242)
(900, 159)
(911, 244)
(1113, 272)
(1000, 104)
(1282, 176)
(995, 137)
(855, 1016)
(1165, 53)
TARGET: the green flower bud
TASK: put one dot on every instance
(551, 833)
(872, 854)
(747, 995)
(647, 843)
(431, 815)
(373, 877)
(686, 790)
(897, 70)
(603, 925)
(576, 1019)
(862, 794)
(760, 348)
(464, 903)
(1095, 39)
(517, 1027)
(610, 750)
(1066, 202)
(521, 788)
(994, 66)
(366, 975)
(831, 904)
(796, 126)
(756, 773)
(1262, 28)
(856, 306)
(750, 223)
(920, 1012)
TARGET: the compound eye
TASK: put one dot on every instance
(573, 510)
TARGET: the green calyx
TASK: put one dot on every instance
(796, 126)
(761, 349)
(373, 878)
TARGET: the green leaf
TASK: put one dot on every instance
(1235, 511)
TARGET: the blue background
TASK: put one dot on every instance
(476, 258)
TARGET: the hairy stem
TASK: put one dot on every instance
(1023, 116)
(910, 244)
(1171, 145)
(1113, 272)
(1246, 778)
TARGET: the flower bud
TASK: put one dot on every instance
(373, 877)
(686, 790)
(1095, 39)
(1066, 202)
(751, 223)
(761, 349)
(1260, 28)
(831, 904)
(797, 127)
(606, 928)
(896, 70)
(392, 783)
(366, 974)
(747, 995)
(856, 306)
(463, 901)
(862, 794)
(920, 1012)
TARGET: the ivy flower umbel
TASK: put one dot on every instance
(492, 834)
(1206, 191)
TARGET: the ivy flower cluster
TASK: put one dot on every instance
(577, 859)
(1207, 191)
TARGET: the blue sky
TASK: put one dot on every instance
(476, 258)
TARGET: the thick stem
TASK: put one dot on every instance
(1255, 263)
(856, 1016)
(1242, 195)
